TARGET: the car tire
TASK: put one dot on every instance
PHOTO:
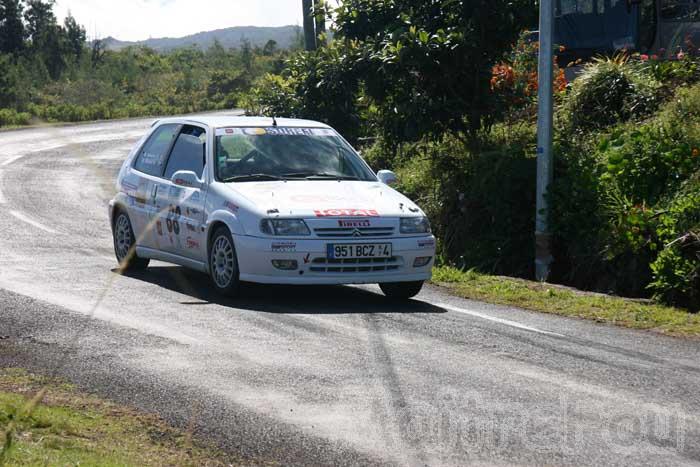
(125, 244)
(401, 290)
(223, 263)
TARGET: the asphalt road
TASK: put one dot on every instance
(334, 375)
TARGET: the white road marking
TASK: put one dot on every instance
(29, 221)
(497, 320)
(11, 160)
(2, 197)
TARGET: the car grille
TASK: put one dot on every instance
(345, 266)
(349, 232)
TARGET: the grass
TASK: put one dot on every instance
(548, 298)
(68, 427)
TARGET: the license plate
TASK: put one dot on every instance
(359, 251)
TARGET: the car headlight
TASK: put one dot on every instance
(284, 227)
(415, 225)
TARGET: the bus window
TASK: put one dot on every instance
(680, 10)
(585, 7)
(581, 7)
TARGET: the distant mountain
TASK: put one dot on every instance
(285, 36)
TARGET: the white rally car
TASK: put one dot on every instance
(268, 201)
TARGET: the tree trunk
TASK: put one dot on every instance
(320, 23)
(309, 26)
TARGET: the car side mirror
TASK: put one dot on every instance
(387, 177)
(186, 178)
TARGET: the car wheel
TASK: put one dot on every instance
(125, 244)
(401, 290)
(223, 263)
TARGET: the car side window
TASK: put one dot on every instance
(189, 152)
(151, 159)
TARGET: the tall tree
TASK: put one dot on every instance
(47, 37)
(270, 48)
(39, 18)
(11, 27)
(97, 52)
(247, 56)
(75, 36)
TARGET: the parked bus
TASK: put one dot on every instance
(593, 27)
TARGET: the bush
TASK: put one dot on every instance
(610, 91)
(480, 199)
(618, 202)
(10, 117)
(677, 269)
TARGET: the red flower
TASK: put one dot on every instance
(644, 57)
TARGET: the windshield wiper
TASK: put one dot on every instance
(253, 178)
(320, 176)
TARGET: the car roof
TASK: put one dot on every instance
(225, 121)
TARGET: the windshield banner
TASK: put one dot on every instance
(275, 131)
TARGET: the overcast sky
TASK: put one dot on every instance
(141, 19)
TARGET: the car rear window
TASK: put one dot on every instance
(189, 152)
(151, 159)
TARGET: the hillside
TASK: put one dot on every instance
(285, 36)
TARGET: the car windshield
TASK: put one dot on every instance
(279, 153)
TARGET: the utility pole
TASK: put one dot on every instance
(309, 25)
(543, 238)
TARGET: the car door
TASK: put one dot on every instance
(179, 227)
(143, 179)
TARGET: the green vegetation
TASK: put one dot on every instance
(446, 92)
(48, 72)
(558, 300)
(404, 69)
(72, 428)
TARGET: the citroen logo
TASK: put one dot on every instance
(356, 233)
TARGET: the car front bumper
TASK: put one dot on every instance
(256, 256)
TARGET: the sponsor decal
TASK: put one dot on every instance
(278, 131)
(354, 223)
(426, 243)
(231, 207)
(129, 186)
(182, 182)
(275, 131)
(254, 131)
(173, 220)
(175, 192)
(346, 213)
(192, 244)
(284, 246)
(307, 258)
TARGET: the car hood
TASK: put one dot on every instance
(326, 199)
